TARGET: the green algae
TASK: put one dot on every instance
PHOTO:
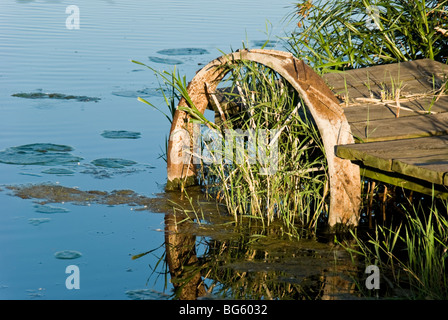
(50, 193)
(178, 184)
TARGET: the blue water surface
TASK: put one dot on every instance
(40, 55)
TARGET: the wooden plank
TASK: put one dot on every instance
(406, 182)
(419, 81)
(422, 158)
(404, 71)
(400, 128)
(404, 150)
(419, 88)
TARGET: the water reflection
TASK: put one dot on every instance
(240, 264)
(207, 255)
(181, 258)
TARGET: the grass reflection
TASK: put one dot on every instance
(249, 264)
(208, 255)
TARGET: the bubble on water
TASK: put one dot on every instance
(38, 154)
(120, 134)
(44, 208)
(113, 162)
(67, 254)
(164, 60)
(183, 51)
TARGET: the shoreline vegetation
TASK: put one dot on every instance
(404, 233)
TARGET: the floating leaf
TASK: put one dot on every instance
(164, 60)
(113, 162)
(60, 96)
(120, 134)
(67, 254)
(38, 154)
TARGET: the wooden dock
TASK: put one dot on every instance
(398, 115)
(388, 123)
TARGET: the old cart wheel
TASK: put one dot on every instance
(345, 182)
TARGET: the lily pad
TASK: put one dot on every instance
(113, 162)
(38, 221)
(44, 147)
(146, 294)
(38, 154)
(183, 52)
(266, 43)
(164, 60)
(58, 171)
(120, 134)
(67, 254)
(147, 92)
(60, 96)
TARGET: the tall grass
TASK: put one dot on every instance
(254, 97)
(411, 255)
(336, 35)
(339, 35)
(295, 191)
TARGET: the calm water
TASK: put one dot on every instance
(39, 55)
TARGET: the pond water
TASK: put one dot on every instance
(81, 180)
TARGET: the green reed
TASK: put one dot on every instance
(412, 254)
(255, 97)
(336, 35)
(295, 192)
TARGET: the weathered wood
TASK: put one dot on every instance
(411, 150)
(406, 182)
(422, 158)
(320, 100)
(388, 110)
(423, 70)
(401, 128)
